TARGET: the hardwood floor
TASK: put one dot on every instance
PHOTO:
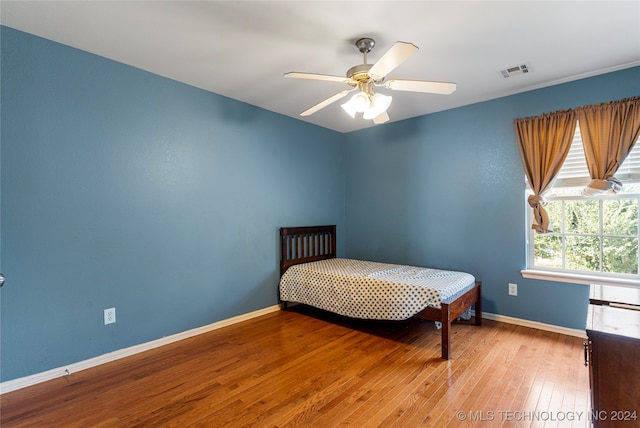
(306, 368)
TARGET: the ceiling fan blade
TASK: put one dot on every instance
(444, 88)
(381, 118)
(313, 76)
(395, 56)
(323, 104)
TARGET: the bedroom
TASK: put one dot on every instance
(125, 189)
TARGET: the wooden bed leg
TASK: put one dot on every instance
(446, 327)
(478, 306)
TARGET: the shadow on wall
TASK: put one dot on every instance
(233, 111)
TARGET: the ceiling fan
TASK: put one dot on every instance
(365, 77)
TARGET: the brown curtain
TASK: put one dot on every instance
(544, 143)
(609, 132)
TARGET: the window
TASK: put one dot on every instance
(596, 236)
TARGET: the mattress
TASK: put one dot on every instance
(371, 290)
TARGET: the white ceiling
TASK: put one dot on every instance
(240, 49)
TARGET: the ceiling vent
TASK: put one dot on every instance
(516, 70)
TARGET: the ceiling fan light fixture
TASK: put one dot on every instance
(358, 103)
(379, 104)
(348, 107)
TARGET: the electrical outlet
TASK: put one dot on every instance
(109, 316)
(513, 289)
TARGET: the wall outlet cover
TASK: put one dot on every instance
(109, 316)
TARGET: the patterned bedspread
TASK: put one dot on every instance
(371, 290)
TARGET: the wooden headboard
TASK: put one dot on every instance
(306, 244)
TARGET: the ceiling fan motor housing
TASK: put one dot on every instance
(359, 73)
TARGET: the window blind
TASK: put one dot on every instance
(574, 171)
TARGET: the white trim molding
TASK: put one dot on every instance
(23, 382)
(535, 324)
(576, 278)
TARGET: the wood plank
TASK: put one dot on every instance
(305, 367)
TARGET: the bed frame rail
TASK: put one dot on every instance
(306, 244)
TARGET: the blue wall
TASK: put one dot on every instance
(447, 190)
(128, 190)
(123, 189)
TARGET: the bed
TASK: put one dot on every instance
(311, 274)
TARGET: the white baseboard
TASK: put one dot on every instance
(23, 382)
(537, 325)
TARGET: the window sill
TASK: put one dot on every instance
(578, 278)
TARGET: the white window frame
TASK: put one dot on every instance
(574, 173)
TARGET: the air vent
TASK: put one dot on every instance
(516, 70)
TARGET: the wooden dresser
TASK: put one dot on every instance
(613, 355)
